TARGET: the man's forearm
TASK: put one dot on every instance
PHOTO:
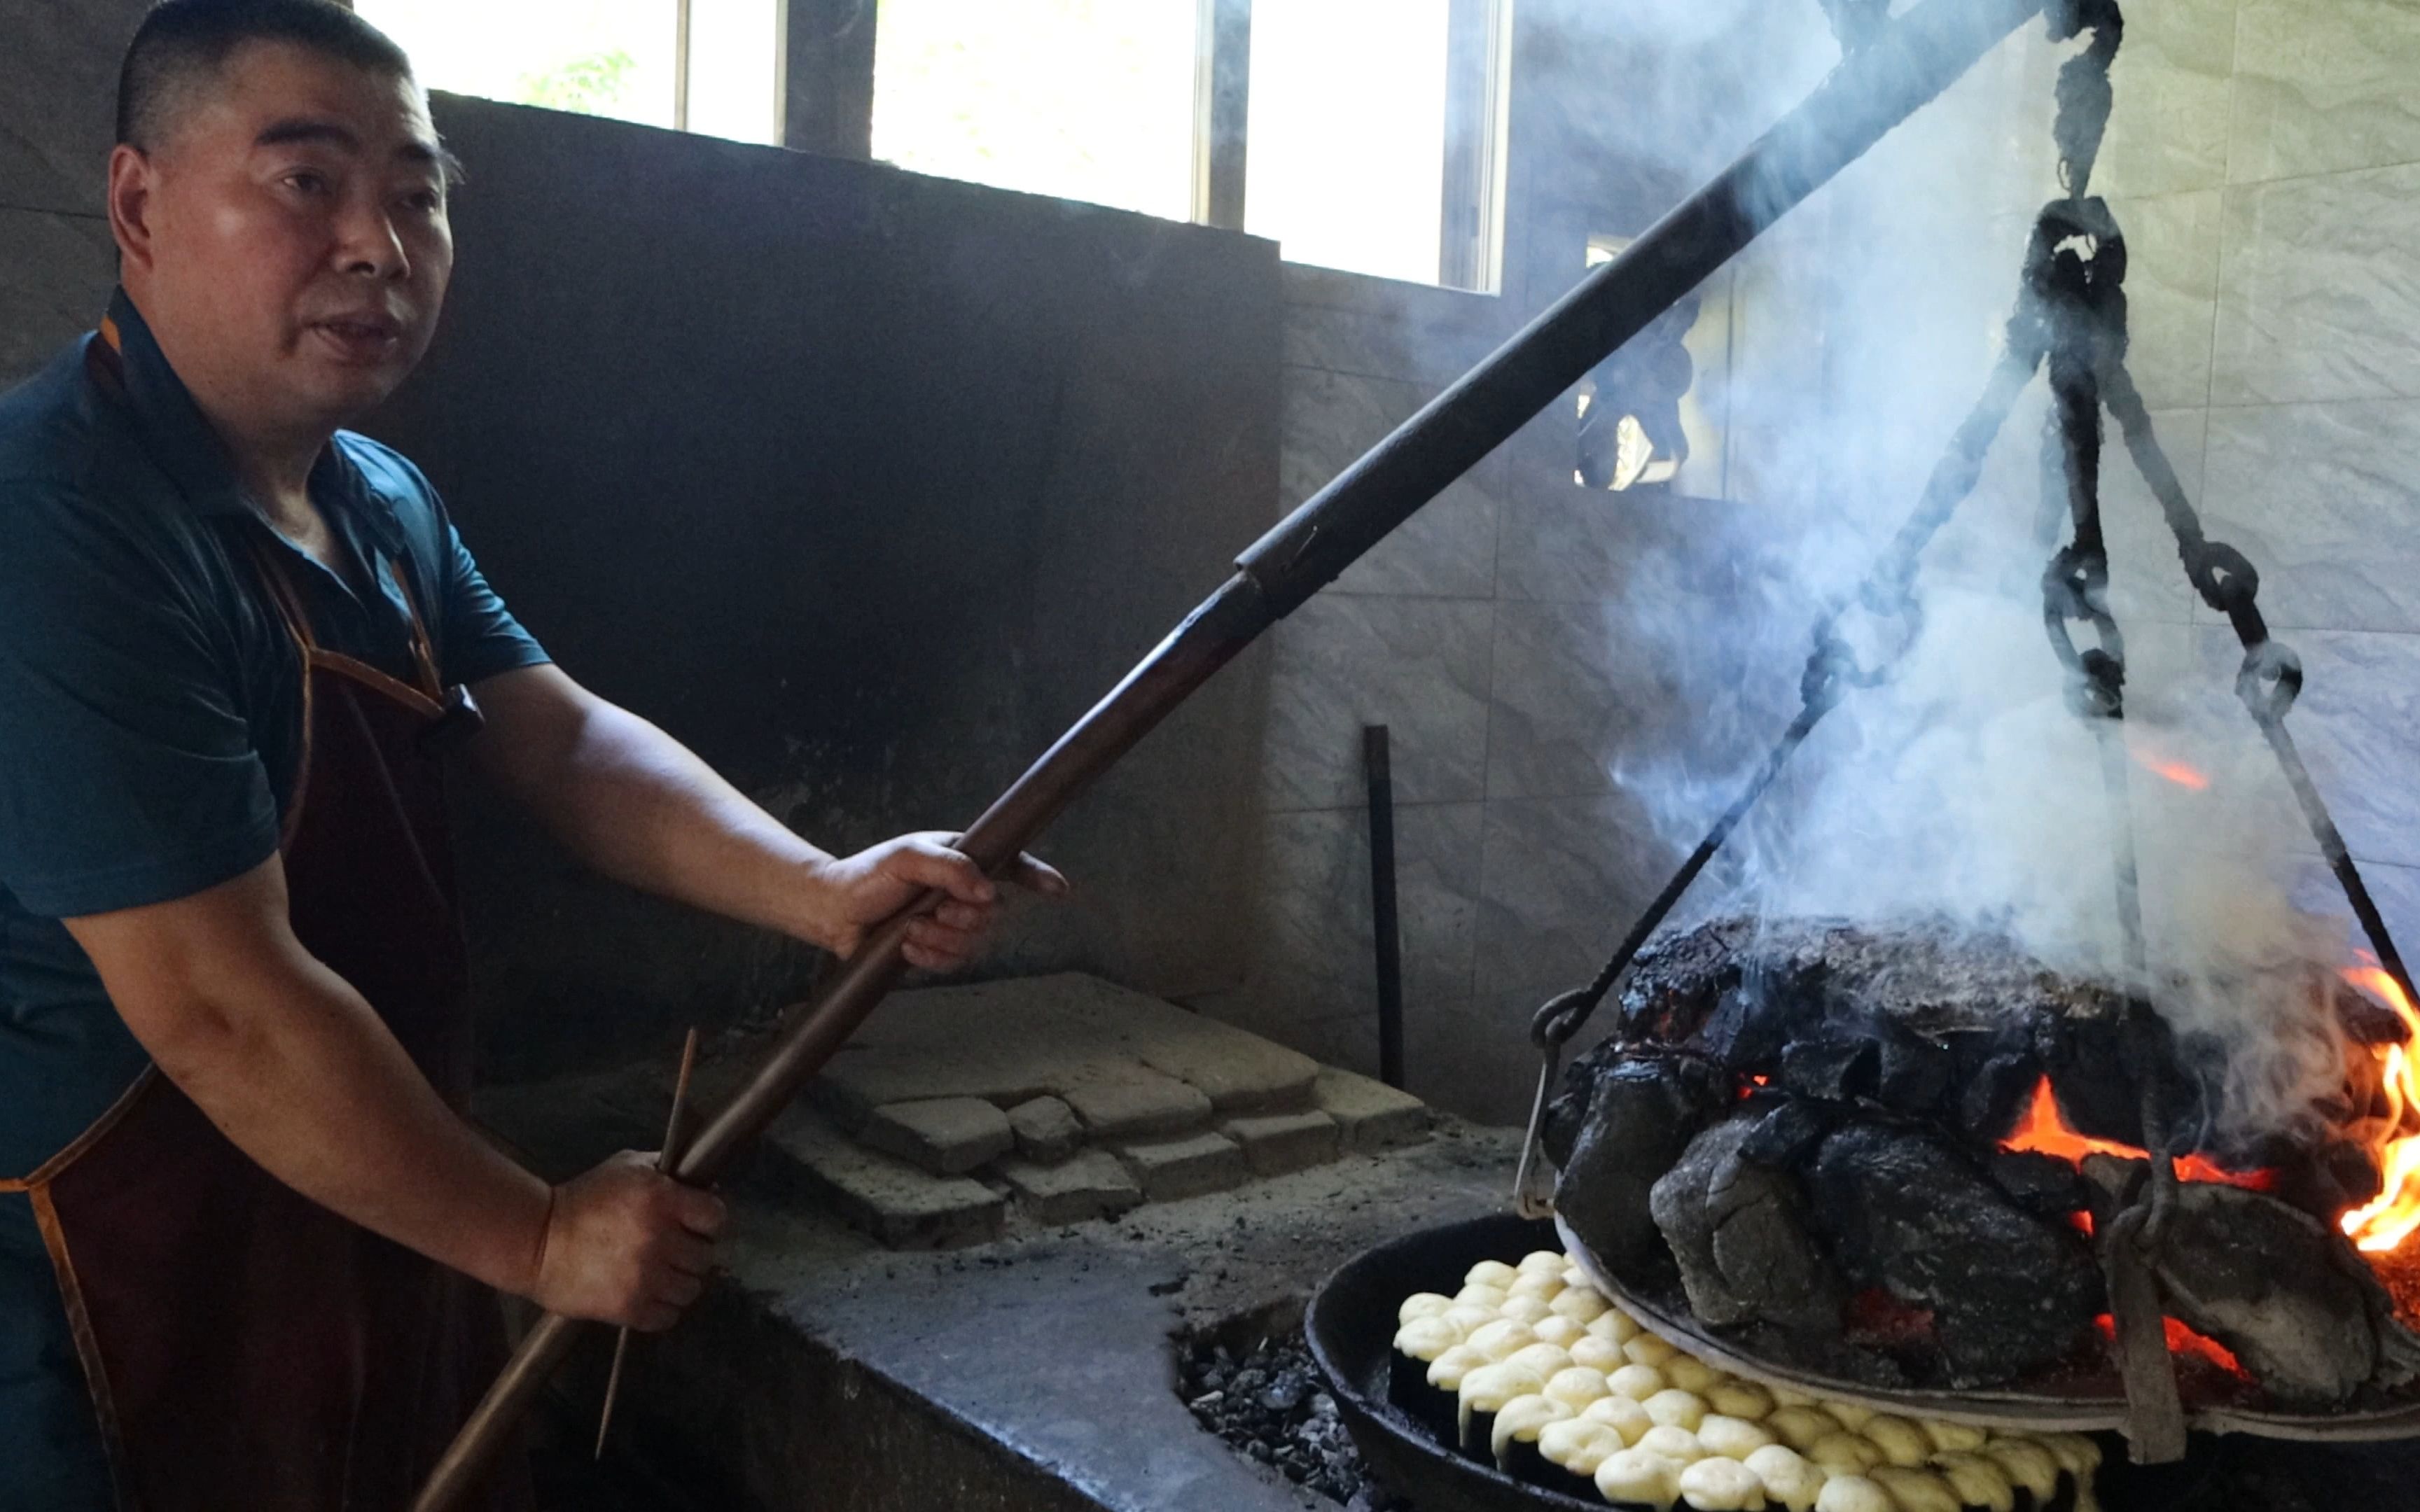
(296, 1068)
(638, 805)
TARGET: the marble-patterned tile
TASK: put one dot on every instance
(1313, 954)
(2167, 128)
(1398, 343)
(58, 84)
(2322, 86)
(1418, 666)
(2147, 578)
(56, 274)
(1562, 880)
(2320, 289)
(2395, 890)
(1448, 548)
(2358, 725)
(2171, 294)
(2325, 500)
(1473, 1058)
(1572, 690)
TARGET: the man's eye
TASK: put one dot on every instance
(425, 201)
(307, 182)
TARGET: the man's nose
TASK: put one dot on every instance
(368, 244)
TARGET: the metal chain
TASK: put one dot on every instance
(2069, 316)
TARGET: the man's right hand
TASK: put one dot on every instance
(628, 1245)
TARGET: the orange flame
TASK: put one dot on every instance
(2386, 1223)
(2178, 773)
(2043, 1129)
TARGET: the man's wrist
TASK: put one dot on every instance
(810, 901)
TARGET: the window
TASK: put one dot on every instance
(1346, 140)
(704, 64)
(1089, 99)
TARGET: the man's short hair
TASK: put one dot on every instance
(183, 44)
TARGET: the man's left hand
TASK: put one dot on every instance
(863, 890)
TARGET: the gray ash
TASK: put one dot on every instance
(1270, 1404)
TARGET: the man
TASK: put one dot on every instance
(238, 1201)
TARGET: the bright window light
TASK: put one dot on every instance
(1345, 163)
(601, 57)
(734, 77)
(1089, 99)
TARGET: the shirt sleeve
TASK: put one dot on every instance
(128, 774)
(476, 636)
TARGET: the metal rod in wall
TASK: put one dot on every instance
(1919, 54)
(1385, 926)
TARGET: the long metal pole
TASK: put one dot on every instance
(1917, 57)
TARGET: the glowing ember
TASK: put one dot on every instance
(2388, 1222)
(2181, 775)
(2183, 1340)
(2043, 1129)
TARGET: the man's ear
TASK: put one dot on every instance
(130, 179)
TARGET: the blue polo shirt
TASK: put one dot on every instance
(150, 708)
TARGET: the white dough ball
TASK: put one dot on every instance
(1423, 1304)
(2026, 1461)
(1690, 1373)
(1542, 1360)
(1558, 1331)
(1800, 1426)
(1853, 1494)
(1851, 1453)
(1499, 1339)
(1734, 1437)
(1635, 1381)
(1789, 1479)
(1596, 1353)
(1916, 1491)
(1577, 1384)
(1577, 1446)
(1480, 1294)
(1977, 1481)
(1622, 1414)
(1525, 1309)
(1648, 1350)
(1901, 1441)
(1637, 1475)
(1681, 1409)
(1673, 1442)
(1963, 1436)
(1715, 1484)
(1739, 1398)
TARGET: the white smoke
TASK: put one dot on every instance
(1965, 788)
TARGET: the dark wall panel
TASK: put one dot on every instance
(864, 485)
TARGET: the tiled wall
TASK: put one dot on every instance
(58, 76)
(2265, 161)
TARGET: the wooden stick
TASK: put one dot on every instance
(1922, 52)
(666, 1158)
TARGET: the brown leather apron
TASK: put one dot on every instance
(247, 1349)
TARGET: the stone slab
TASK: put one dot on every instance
(1277, 1143)
(1170, 1169)
(1130, 1102)
(1091, 1184)
(1369, 1115)
(1047, 1129)
(945, 1136)
(1011, 1041)
(902, 1206)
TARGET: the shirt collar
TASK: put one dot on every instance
(177, 438)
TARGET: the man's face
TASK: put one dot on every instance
(288, 239)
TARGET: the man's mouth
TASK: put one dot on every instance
(364, 337)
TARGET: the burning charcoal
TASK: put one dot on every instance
(2286, 1293)
(1994, 1093)
(1645, 1111)
(1832, 1069)
(2043, 1185)
(1738, 1232)
(2338, 1176)
(2087, 1068)
(1785, 1131)
(1746, 1030)
(1915, 1073)
(2009, 1292)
